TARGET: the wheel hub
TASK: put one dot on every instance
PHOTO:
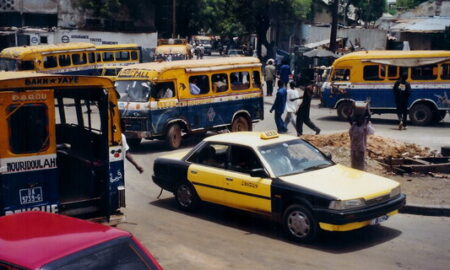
(184, 196)
(298, 224)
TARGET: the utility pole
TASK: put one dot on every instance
(174, 18)
(334, 23)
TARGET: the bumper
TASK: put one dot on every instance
(353, 219)
(350, 226)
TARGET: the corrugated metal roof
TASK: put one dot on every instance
(422, 25)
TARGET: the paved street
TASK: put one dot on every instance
(221, 238)
(385, 125)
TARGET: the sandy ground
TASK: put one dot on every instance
(420, 189)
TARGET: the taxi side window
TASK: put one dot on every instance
(243, 159)
(214, 155)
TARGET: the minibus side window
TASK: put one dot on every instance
(99, 57)
(28, 128)
(392, 73)
(79, 58)
(240, 80)
(428, 72)
(199, 84)
(163, 90)
(134, 55)
(50, 61)
(341, 75)
(26, 65)
(220, 82)
(122, 56)
(64, 60)
(108, 57)
(256, 79)
(445, 72)
(91, 57)
(372, 73)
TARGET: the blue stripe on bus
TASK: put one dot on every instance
(197, 116)
(384, 98)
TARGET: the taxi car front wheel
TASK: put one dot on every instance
(186, 197)
(299, 224)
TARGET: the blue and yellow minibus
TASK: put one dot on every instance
(370, 76)
(60, 145)
(164, 100)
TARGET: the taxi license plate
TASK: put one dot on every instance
(378, 220)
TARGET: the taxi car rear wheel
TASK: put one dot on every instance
(186, 197)
(299, 224)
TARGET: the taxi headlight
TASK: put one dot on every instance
(347, 204)
(395, 192)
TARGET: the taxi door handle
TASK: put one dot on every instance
(229, 179)
(193, 172)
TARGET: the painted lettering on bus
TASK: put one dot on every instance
(28, 165)
(134, 73)
(51, 80)
(51, 208)
(29, 97)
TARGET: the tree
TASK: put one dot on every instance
(369, 10)
(257, 16)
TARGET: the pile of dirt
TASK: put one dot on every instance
(420, 189)
(377, 146)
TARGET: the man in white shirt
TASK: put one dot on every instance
(195, 90)
(291, 104)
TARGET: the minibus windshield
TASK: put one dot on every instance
(8, 64)
(134, 91)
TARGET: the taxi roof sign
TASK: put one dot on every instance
(270, 134)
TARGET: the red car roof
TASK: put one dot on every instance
(45, 237)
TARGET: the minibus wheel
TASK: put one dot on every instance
(421, 114)
(240, 123)
(343, 110)
(173, 136)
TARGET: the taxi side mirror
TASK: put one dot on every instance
(328, 155)
(258, 172)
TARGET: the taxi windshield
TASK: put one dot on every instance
(291, 157)
(133, 91)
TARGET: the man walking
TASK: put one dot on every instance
(303, 112)
(279, 106)
(291, 105)
(402, 91)
(269, 75)
(285, 71)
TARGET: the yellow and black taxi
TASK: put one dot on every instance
(281, 176)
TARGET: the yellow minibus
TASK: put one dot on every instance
(164, 100)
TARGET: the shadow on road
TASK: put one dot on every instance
(332, 242)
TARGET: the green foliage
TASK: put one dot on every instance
(369, 10)
(108, 8)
